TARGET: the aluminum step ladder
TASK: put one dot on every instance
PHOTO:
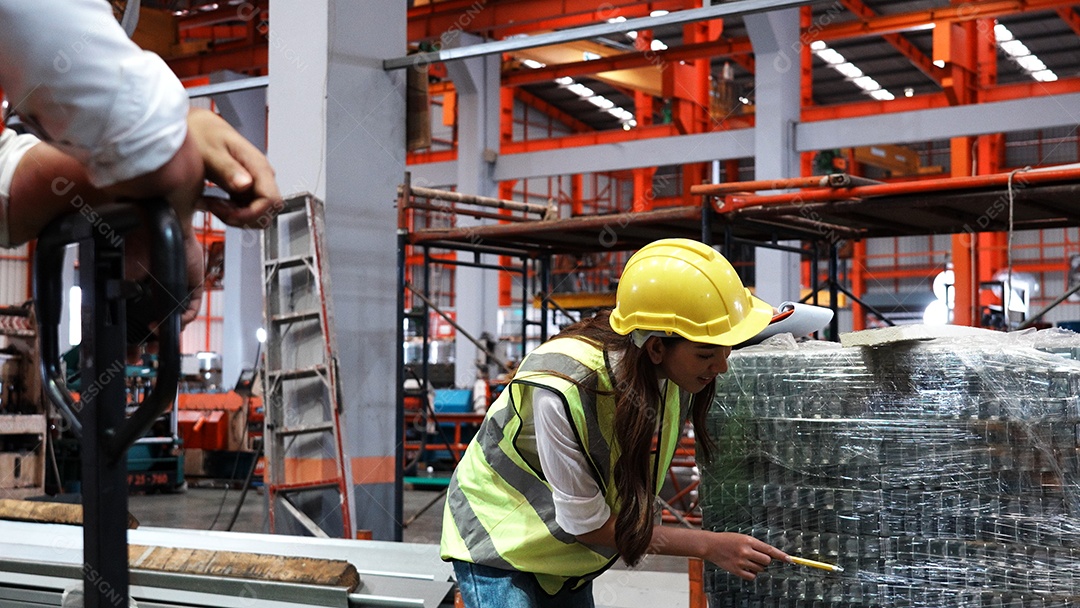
(308, 484)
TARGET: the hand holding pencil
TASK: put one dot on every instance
(814, 564)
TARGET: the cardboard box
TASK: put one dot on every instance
(193, 462)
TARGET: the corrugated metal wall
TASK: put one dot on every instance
(14, 270)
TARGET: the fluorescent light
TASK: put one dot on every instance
(658, 13)
(744, 101)
(848, 70)
(657, 45)
(837, 62)
(866, 83)
(581, 90)
(909, 92)
(601, 102)
(1022, 55)
(532, 63)
(618, 19)
(564, 81)
(1031, 63)
(830, 56)
(626, 126)
(1015, 48)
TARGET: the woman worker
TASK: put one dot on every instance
(562, 477)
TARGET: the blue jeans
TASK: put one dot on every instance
(487, 587)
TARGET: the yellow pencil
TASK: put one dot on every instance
(811, 563)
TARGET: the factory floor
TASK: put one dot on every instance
(659, 581)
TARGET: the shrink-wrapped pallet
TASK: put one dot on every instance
(937, 473)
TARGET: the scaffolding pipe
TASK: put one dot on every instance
(733, 202)
(548, 211)
(480, 215)
(833, 180)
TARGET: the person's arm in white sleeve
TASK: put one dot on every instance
(68, 67)
(579, 505)
(13, 148)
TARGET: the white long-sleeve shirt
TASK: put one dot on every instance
(67, 67)
(579, 505)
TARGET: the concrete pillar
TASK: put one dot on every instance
(337, 129)
(775, 39)
(476, 81)
(242, 313)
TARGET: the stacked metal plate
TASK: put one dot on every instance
(937, 473)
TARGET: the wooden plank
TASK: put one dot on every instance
(48, 513)
(299, 570)
(22, 424)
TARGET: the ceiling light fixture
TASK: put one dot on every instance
(835, 60)
(1022, 55)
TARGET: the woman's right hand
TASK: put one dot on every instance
(742, 555)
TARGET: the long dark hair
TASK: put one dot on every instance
(637, 398)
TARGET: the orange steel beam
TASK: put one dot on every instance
(858, 284)
(588, 139)
(245, 58)
(247, 11)
(737, 199)
(432, 20)
(1006, 92)
(437, 156)
(906, 48)
(964, 246)
(535, 102)
(216, 32)
(967, 11)
(806, 61)
(633, 59)
(1069, 16)
(1024, 90)
(561, 22)
(441, 88)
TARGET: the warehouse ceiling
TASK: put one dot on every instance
(1046, 34)
(890, 60)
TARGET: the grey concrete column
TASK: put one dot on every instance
(775, 38)
(337, 129)
(476, 81)
(242, 311)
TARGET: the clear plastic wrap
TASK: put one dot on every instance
(937, 473)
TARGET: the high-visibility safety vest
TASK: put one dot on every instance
(499, 508)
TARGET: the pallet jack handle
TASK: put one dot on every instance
(168, 272)
(106, 431)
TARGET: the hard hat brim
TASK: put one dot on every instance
(761, 313)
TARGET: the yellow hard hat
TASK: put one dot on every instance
(681, 286)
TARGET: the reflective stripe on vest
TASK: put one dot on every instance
(499, 510)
